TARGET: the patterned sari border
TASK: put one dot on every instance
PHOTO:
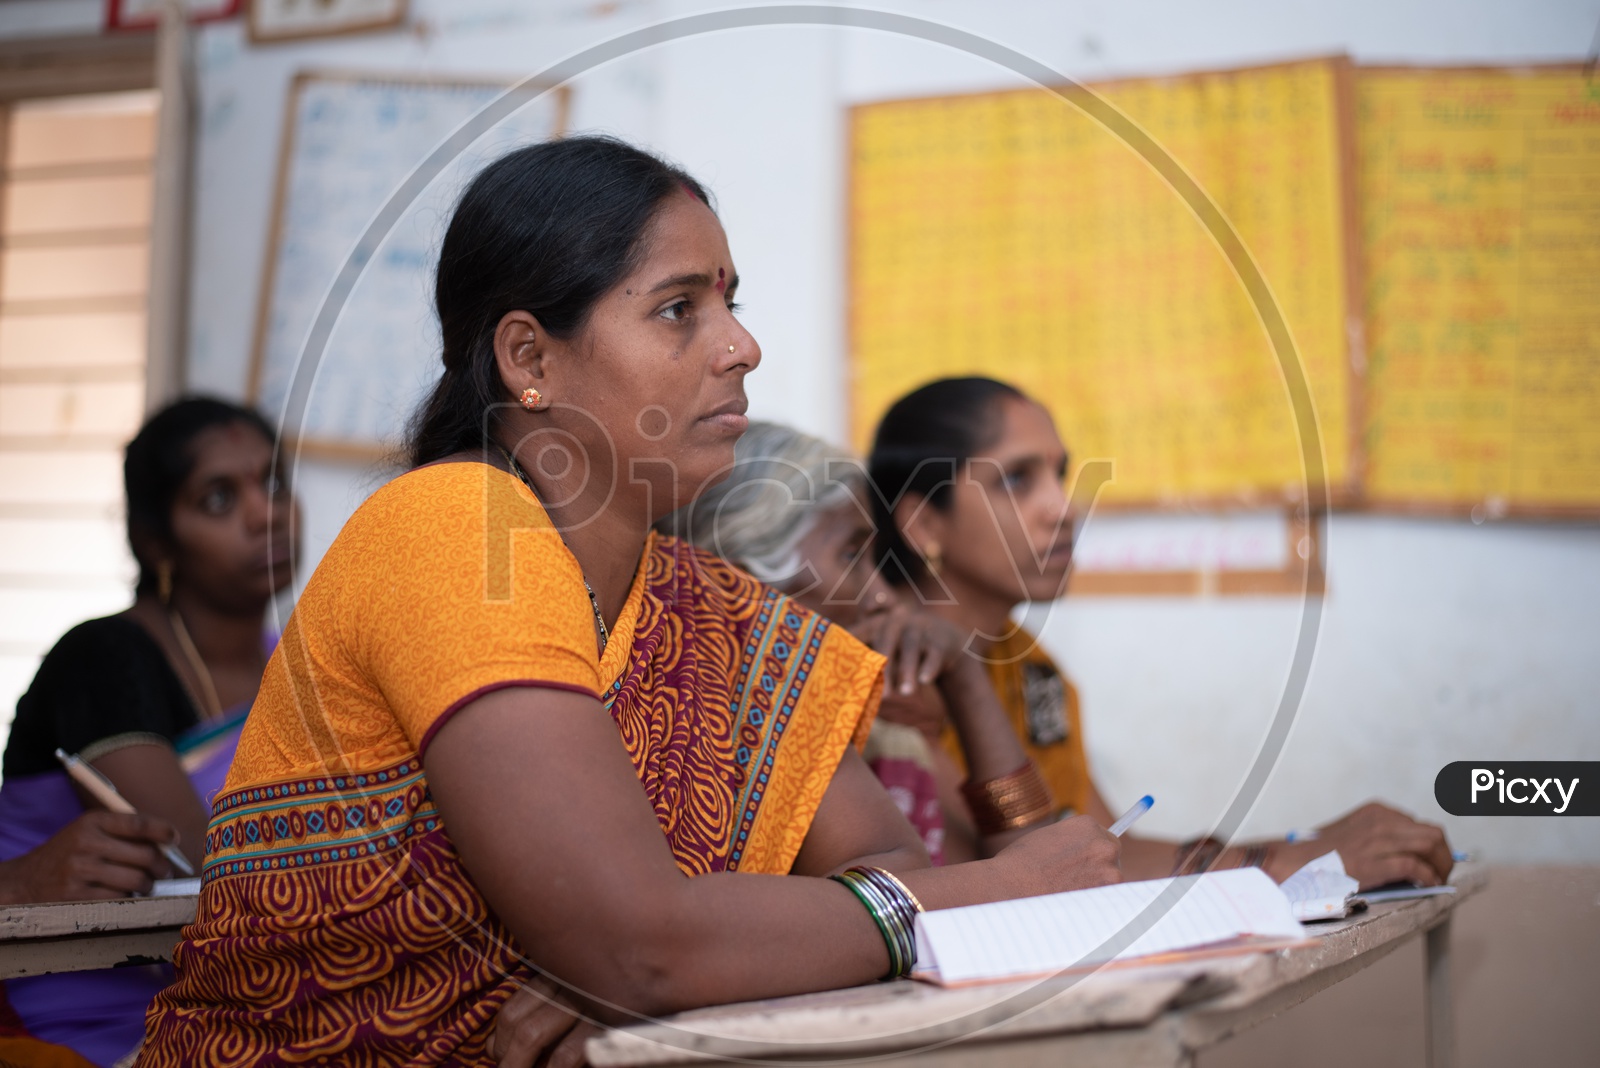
(382, 780)
(791, 645)
(305, 822)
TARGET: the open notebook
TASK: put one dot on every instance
(1225, 911)
(1321, 890)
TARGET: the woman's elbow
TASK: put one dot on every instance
(652, 963)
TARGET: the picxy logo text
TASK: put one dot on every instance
(1519, 788)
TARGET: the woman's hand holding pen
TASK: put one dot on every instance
(1070, 854)
(1378, 845)
(98, 855)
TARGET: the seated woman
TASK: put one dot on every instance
(153, 697)
(970, 501)
(795, 512)
(508, 728)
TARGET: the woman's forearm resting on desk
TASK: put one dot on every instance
(594, 897)
(1377, 845)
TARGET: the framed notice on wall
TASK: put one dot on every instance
(1009, 234)
(146, 14)
(293, 20)
(1480, 195)
(351, 142)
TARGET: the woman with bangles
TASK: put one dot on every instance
(154, 698)
(512, 739)
(796, 513)
(973, 520)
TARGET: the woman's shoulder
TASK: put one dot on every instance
(104, 677)
(447, 508)
(679, 561)
(1022, 650)
(699, 582)
(690, 577)
(449, 482)
(90, 644)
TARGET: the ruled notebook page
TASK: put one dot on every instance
(1039, 935)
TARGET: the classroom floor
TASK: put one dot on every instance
(1526, 956)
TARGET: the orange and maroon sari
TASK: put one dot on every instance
(336, 920)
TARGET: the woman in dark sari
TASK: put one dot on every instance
(153, 697)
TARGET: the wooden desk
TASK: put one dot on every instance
(77, 936)
(1151, 1015)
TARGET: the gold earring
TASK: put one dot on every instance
(164, 581)
(934, 557)
(531, 399)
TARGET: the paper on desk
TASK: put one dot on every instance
(175, 887)
(1057, 932)
(1321, 890)
(1405, 893)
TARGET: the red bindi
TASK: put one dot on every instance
(722, 280)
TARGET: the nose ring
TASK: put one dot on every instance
(730, 348)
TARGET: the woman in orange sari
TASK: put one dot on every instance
(973, 519)
(509, 730)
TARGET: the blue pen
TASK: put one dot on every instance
(1140, 807)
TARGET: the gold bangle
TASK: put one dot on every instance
(1010, 802)
(884, 873)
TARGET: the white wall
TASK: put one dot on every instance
(1440, 641)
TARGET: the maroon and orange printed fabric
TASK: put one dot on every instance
(336, 920)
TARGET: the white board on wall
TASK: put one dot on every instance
(350, 141)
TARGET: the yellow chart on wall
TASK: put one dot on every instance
(1008, 234)
(1481, 209)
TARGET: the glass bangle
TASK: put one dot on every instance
(893, 909)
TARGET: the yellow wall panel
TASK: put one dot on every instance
(1008, 234)
(1480, 193)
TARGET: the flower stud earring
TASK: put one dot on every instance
(531, 399)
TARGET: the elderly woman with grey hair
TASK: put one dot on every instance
(794, 512)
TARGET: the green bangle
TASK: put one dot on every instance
(864, 895)
(893, 910)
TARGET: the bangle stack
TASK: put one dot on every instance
(1012, 801)
(1196, 855)
(893, 907)
(1255, 856)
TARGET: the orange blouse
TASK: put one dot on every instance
(335, 917)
